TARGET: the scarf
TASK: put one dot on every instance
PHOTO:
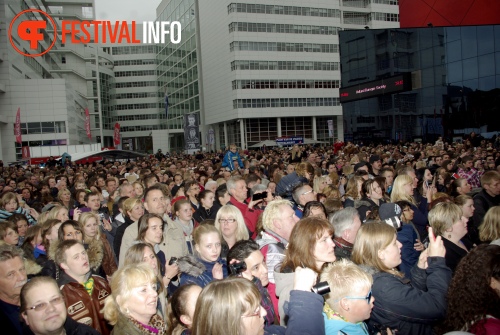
(89, 285)
(156, 326)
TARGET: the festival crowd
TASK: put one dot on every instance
(344, 239)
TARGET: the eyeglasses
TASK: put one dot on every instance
(43, 305)
(230, 220)
(257, 313)
(307, 192)
(367, 298)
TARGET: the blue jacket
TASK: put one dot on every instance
(228, 160)
(334, 327)
(409, 256)
(287, 183)
(304, 316)
(410, 307)
(200, 271)
(420, 217)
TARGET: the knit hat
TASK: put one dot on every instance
(391, 214)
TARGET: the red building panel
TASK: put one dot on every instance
(419, 13)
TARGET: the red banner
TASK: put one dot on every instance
(87, 123)
(26, 152)
(117, 133)
(17, 127)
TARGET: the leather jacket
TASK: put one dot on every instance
(82, 307)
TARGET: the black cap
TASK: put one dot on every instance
(360, 165)
(391, 214)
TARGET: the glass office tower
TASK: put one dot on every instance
(455, 73)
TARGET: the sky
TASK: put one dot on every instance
(128, 10)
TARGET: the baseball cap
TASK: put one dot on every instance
(390, 213)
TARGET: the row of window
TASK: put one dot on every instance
(284, 84)
(390, 17)
(283, 47)
(136, 84)
(143, 128)
(43, 127)
(285, 102)
(283, 65)
(281, 10)
(137, 95)
(386, 2)
(135, 106)
(139, 117)
(282, 28)
(135, 73)
(135, 49)
(135, 62)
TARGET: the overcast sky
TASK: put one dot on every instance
(129, 10)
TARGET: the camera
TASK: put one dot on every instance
(172, 260)
(321, 288)
(237, 268)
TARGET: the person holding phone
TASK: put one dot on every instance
(411, 307)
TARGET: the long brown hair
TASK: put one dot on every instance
(305, 234)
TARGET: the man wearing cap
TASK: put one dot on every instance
(376, 165)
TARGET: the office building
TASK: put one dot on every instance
(258, 70)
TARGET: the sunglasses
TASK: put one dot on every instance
(367, 298)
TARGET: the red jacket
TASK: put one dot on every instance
(251, 216)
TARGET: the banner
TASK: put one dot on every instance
(117, 134)
(289, 140)
(330, 128)
(17, 127)
(87, 123)
(211, 136)
(191, 131)
(26, 152)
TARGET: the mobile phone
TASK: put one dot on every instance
(427, 183)
(259, 196)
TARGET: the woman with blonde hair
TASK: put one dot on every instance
(207, 265)
(447, 220)
(101, 257)
(144, 253)
(489, 230)
(231, 224)
(402, 190)
(132, 306)
(58, 212)
(64, 197)
(411, 307)
(139, 189)
(320, 183)
(133, 209)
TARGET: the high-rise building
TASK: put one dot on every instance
(258, 70)
(52, 91)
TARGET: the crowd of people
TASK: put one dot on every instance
(344, 239)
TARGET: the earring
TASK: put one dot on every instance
(127, 311)
(449, 236)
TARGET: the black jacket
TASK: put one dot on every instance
(454, 253)
(482, 202)
(410, 307)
